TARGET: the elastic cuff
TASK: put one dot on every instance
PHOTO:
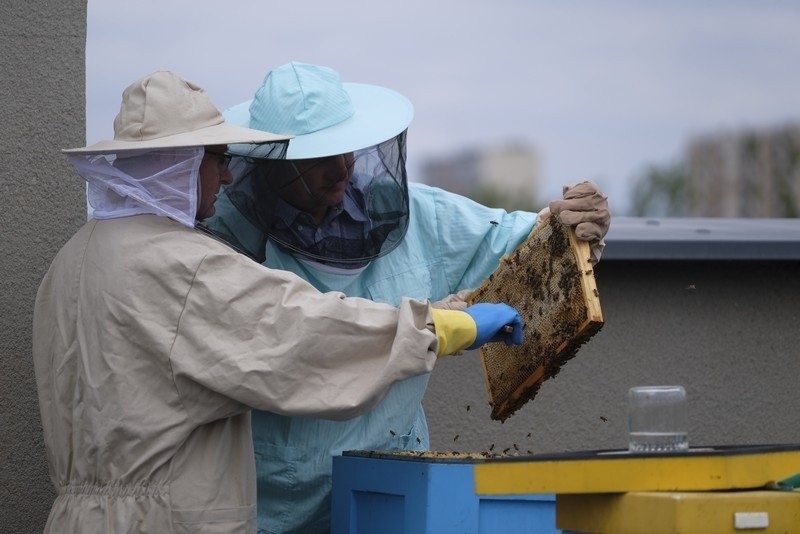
(597, 250)
(455, 330)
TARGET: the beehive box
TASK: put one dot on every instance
(720, 512)
(400, 492)
(550, 280)
(392, 492)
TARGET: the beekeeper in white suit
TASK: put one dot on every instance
(152, 340)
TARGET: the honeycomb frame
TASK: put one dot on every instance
(550, 280)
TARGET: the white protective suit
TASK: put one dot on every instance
(152, 341)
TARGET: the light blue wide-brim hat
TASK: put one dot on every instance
(327, 117)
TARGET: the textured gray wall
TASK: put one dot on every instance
(725, 330)
(42, 95)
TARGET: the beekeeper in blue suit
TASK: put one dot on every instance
(340, 213)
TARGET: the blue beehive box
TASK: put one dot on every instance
(402, 493)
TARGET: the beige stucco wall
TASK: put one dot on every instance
(42, 96)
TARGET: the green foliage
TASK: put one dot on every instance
(661, 191)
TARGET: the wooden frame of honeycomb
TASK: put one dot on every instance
(550, 280)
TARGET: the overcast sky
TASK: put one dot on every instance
(599, 89)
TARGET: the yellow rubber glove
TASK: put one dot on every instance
(455, 330)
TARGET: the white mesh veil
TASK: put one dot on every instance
(157, 181)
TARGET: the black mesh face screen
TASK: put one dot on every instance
(342, 211)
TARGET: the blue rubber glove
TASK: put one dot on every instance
(490, 320)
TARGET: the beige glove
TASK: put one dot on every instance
(457, 301)
(586, 208)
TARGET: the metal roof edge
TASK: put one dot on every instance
(642, 238)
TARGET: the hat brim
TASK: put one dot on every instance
(221, 134)
(380, 114)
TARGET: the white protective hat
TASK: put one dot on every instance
(162, 110)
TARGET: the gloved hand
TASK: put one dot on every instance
(586, 208)
(469, 329)
(456, 301)
(490, 320)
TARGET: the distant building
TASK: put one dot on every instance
(748, 174)
(506, 176)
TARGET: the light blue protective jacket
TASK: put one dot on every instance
(452, 244)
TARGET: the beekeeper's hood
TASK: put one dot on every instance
(329, 118)
(152, 163)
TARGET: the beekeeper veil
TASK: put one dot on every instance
(357, 133)
(153, 162)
